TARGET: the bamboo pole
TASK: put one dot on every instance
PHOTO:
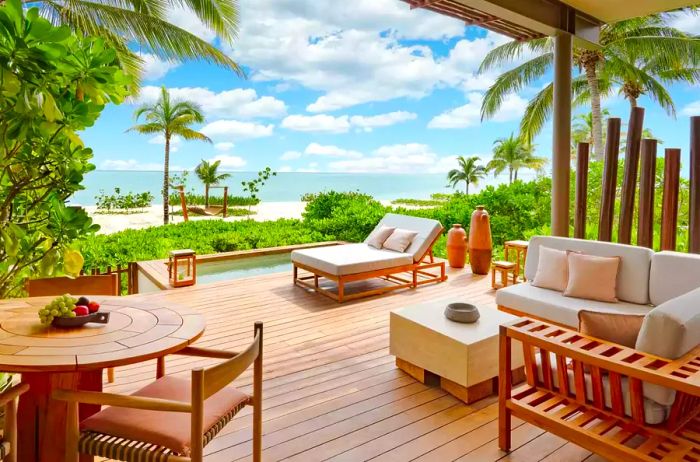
(669, 209)
(607, 203)
(629, 182)
(694, 225)
(582, 156)
(647, 181)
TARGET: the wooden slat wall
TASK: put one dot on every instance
(607, 205)
(629, 182)
(669, 209)
(582, 157)
(647, 180)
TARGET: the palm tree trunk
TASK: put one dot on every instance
(632, 100)
(206, 196)
(515, 175)
(510, 175)
(166, 180)
(466, 188)
(597, 117)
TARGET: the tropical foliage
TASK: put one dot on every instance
(208, 174)
(118, 202)
(169, 118)
(513, 154)
(637, 56)
(53, 84)
(469, 172)
(253, 187)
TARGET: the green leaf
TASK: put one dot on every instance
(51, 111)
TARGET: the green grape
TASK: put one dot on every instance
(71, 314)
(54, 312)
(44, 312)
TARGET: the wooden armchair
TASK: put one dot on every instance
(604, 411)
(133, 428)
(8, 443)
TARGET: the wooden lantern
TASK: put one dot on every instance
(182, 268)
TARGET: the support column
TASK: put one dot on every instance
(561, 146)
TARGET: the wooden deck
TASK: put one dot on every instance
(331, 389)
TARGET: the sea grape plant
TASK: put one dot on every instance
(53, 84)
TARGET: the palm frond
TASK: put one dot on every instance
(189, 134)
(147, 129)
(508, 52)
(221, 16)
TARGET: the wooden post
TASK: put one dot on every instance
(607, 202)
(582, 156)
(183, 202)
(669, 209)
(561, 139)
(694, 225)
(225, 201)
(647, 182)
(629, 183)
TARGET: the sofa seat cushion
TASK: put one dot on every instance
(342, 260)
(554, 306)
(672, 275)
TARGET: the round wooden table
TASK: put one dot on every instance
(49, 358)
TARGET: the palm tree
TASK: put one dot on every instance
(208, 174)
(169, 118)
(638, 55)
(512, 154)
(469, 171)
(582, 130)
(145, 22)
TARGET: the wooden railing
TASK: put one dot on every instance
(128, 276)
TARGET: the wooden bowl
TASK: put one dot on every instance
(98, 317)
(462, 312)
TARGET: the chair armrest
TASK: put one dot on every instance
(116, 400)
(206, 353)
(682, 374)
(12, 393)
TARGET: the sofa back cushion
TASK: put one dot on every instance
(632, 278)
(670, 330)
(428, 230)
(673, 274)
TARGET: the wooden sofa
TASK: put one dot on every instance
(348, 263)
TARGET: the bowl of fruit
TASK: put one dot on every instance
(68, 311)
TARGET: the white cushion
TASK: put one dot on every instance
(670, 330)
(428, 230)
(654, 413)
(673, 274)
(552, 269)
(554, 306)
(399, 240)
(632, 278)
(378, 236)
(340, 260)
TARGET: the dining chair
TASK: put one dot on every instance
(104, 284)
(8, 442)
(134, 428)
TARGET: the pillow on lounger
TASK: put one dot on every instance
(399, 240)
(378, 236)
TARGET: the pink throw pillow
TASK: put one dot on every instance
(378, 236)
(552, 269)
(592, 277)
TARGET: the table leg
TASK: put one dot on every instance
(41, 420)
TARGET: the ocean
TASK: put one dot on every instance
(285, 187)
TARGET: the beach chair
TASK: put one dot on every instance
(348, 263)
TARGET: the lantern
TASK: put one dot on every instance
(182, 268)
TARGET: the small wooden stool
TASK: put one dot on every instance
(520, 249)
(507, 269)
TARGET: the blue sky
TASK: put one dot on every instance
(363, 86)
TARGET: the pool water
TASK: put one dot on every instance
(226, 270)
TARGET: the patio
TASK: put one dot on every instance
(331, 389)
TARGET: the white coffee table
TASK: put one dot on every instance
(463, 356)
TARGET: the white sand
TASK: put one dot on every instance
(153, 216)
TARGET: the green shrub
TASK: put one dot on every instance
(122, 203)
(198, 199)
(348, 216)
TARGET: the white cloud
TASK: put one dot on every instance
(691, 109)
(469, 115)
(175, 142)
(290, 155)
(238, 102)
(186, 19)
(133, 164)
(315, 149)
(235, 129)
(381, 120)
(229, 162)
(225, 146)
(317, 123)
(154, 68)
(687, 22)
(397, 158)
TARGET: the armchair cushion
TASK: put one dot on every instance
(670, 330)
(167, 429)
(620, 328)
(673, 274)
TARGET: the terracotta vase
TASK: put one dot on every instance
(457, 246)
(480, 245)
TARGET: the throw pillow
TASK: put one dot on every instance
(378, 236)
(399, 240)
(619, 328)
(592, 277)
(552, 269)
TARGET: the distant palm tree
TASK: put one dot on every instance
(513, 154)
(469, 171)
(582, 130)
(208, 174)
(169, 118)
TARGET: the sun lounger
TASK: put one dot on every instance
(348, 263)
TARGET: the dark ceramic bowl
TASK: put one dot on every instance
(462, 312)
(99, 318)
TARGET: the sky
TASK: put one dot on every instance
(344, 86)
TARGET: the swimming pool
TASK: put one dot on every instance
(225, 270)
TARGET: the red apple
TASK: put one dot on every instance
(93, 307)
(81, 310)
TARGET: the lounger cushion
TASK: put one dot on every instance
(673, 274)
(554, 306)
(341, 260)
(632, 278)
(428, 230)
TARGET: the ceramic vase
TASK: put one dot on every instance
(480, 245)
(456, 246)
